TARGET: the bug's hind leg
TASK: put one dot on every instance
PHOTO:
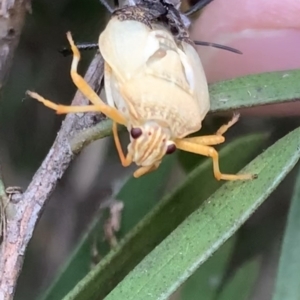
(85, 89)
(65, 109)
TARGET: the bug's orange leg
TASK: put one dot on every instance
(86, 90)
(225, 127)
(144, 170)
(217, 138)
(200, 145)
(64, 109)
(208, 140)
(125, 161)
(210, 152)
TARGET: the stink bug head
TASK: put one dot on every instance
(149, 144)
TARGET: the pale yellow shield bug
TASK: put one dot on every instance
(156, 87)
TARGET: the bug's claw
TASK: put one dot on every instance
(69, 37)
(41, 99)
(225, 127)
(234, 119)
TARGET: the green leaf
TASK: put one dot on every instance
(206, 281)
(139, 197)
(241, 285)
(288, 282)
(203, 232)
(255, 90)
(247, 91)
(162, 220)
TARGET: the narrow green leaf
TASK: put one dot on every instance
(206, 281)
(254, 90)
(139, 197)
(288, 281)
(162, 220)
(241, 285)
(247, 91)
(204, 231)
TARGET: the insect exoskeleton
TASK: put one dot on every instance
(156, 87)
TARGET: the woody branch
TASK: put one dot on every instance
(22, 216)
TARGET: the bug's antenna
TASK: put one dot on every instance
(198, 6)
(94, 46)
(107, 6)
(66, 51)
(200, 43)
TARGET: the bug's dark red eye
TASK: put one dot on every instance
(136, 132)
(171, 148)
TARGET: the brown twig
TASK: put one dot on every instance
(3, 204)
(22, 216)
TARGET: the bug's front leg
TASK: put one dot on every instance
(144, 170)
(216, 138)
(211, 152)
(85, 89)
(125, 161)
(201, 145)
